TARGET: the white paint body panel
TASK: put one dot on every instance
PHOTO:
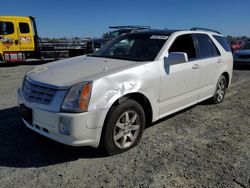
(179, 86)
(167, 89)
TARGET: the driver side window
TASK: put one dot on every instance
(184, 43)
(6, 28)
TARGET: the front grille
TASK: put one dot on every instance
(37, 93)
(244, 56)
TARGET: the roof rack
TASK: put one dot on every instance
(203, 29)
(130, 27)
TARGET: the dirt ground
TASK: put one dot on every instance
(203, 146)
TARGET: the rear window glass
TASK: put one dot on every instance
(223, 42)
(24, 28)
(206, 46)
(6, 28)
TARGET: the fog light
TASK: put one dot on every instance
(64, 126)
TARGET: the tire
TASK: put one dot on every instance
(123, 127)
(220, 90)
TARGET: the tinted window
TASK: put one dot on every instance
(223, 42)
(206, 46)
(6, 28)
(215, 50)
(184, 43)
(24, 28)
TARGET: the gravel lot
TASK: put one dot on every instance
(203, 146)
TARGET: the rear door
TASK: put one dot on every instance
(210, 62)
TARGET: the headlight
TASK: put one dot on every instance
(77, 98)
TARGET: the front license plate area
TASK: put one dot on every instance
(26, 113)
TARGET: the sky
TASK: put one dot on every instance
(85, 18)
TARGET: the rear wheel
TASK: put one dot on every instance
(123, 127)
(220, 90)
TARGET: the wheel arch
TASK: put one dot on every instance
(138, 97)
(142, 100)
(226, 74)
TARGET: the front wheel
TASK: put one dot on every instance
(123, 127)
(220, 90)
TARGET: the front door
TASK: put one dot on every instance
(180, 82)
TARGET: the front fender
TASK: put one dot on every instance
(143, 79)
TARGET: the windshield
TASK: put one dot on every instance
(134, 47)
(246, 46)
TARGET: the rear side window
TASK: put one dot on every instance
(24, 27)
(6, 28)
(184, 43)
(223, 42)
(206, 46)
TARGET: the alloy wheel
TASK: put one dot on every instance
(126, 129)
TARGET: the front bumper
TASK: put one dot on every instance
(85, 128)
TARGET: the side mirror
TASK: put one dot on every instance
(176, 58)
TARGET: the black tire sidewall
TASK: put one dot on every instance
(112, 117)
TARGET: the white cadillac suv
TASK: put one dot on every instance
(107, 98)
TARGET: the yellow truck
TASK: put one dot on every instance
(18, 38)
(19, 41)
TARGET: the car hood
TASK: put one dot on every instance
(242, 52)
(65, 73)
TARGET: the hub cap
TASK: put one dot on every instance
(126, 129)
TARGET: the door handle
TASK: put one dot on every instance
(196, 66)
(219, 61)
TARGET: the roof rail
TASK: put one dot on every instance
(130, 27)
(203, 29)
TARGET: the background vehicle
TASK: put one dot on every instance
(235, 45)
(94, 44)
(242, 55)
(107, 98)
(19, 41)
(18, 38)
